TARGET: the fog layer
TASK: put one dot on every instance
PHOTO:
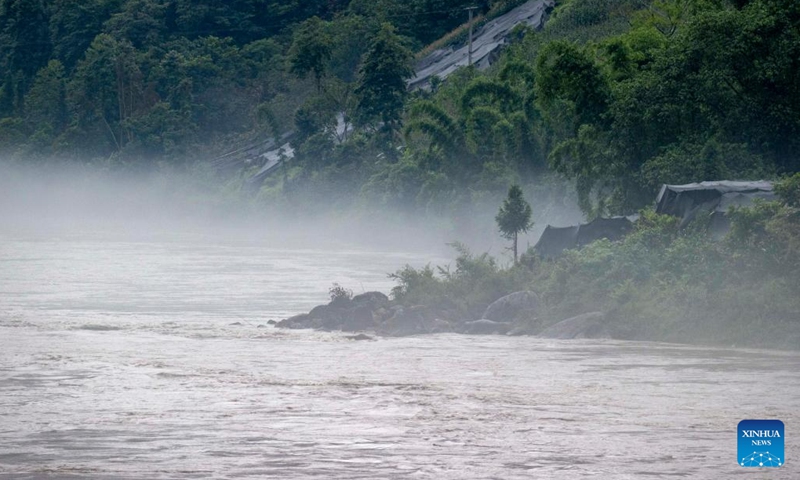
(85, 201)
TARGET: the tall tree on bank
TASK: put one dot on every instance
(514, 216)
(382, 89)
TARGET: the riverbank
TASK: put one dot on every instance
(662, 282)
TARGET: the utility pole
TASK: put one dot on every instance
(469, 55)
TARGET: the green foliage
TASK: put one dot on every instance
(788, 190)
(423, 21)
(24, 48)
(382, 89)
(310, 50)
(566, 73)
(688, 162)
(338, 292)
(476, 281)
(104, 90)
(74, 24)
(46, 100)
(658, 283)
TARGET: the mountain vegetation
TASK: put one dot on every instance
(615, 96)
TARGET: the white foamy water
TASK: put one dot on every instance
(149, 360)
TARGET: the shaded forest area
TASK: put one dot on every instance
(161, 80)
(618, 96)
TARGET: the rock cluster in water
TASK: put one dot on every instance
(514, 314)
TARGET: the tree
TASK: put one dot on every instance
(24, 48)
(45, 102)
(382, 90)
(310, 51)
(567, 77)
(514, 216)
(105, 90)
(75, 24)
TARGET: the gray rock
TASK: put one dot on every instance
(328, 319)
(588, 325)
(486, 327)
(358, 337)
(404, 322)
(98, 328)
(376, 300)
(381, 315)
(341, 302)
(358, 318)
(439, 325)
(511, 307)
(298, 321)
(321, 311)
(520, 331)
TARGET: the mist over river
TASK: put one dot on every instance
(152, 359)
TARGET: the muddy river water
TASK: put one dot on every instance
(154, 360)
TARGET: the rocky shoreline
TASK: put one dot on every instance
(373, 312)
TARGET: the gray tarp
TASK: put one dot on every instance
(686, 201)
(555, 240)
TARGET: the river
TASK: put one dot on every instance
(153, 360)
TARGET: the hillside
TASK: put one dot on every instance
(617, 97)
(154, 81)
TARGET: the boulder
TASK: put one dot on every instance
(341, 302)
(359, 337)
(521, 330)
(439, 325)
(486, 327)
(588, 325)
(358, 318)
(511, 307)
(404, 321)
(321, 317)
(382, 314)
(375, 300)
(298, 321)
(325, 317)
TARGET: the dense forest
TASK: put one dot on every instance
(617, 96)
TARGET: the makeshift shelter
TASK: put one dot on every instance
(714, 198)
(555, 240)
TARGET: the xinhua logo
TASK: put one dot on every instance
(761, 443)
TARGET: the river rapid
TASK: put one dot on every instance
(153, 360)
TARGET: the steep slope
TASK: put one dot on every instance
(487, 42)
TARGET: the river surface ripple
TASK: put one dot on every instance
(145, 364)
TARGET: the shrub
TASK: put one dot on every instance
(338, 292)
(788, 190)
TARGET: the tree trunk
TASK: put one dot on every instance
(515, 248)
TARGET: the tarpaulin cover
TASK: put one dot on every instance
(555, 240)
